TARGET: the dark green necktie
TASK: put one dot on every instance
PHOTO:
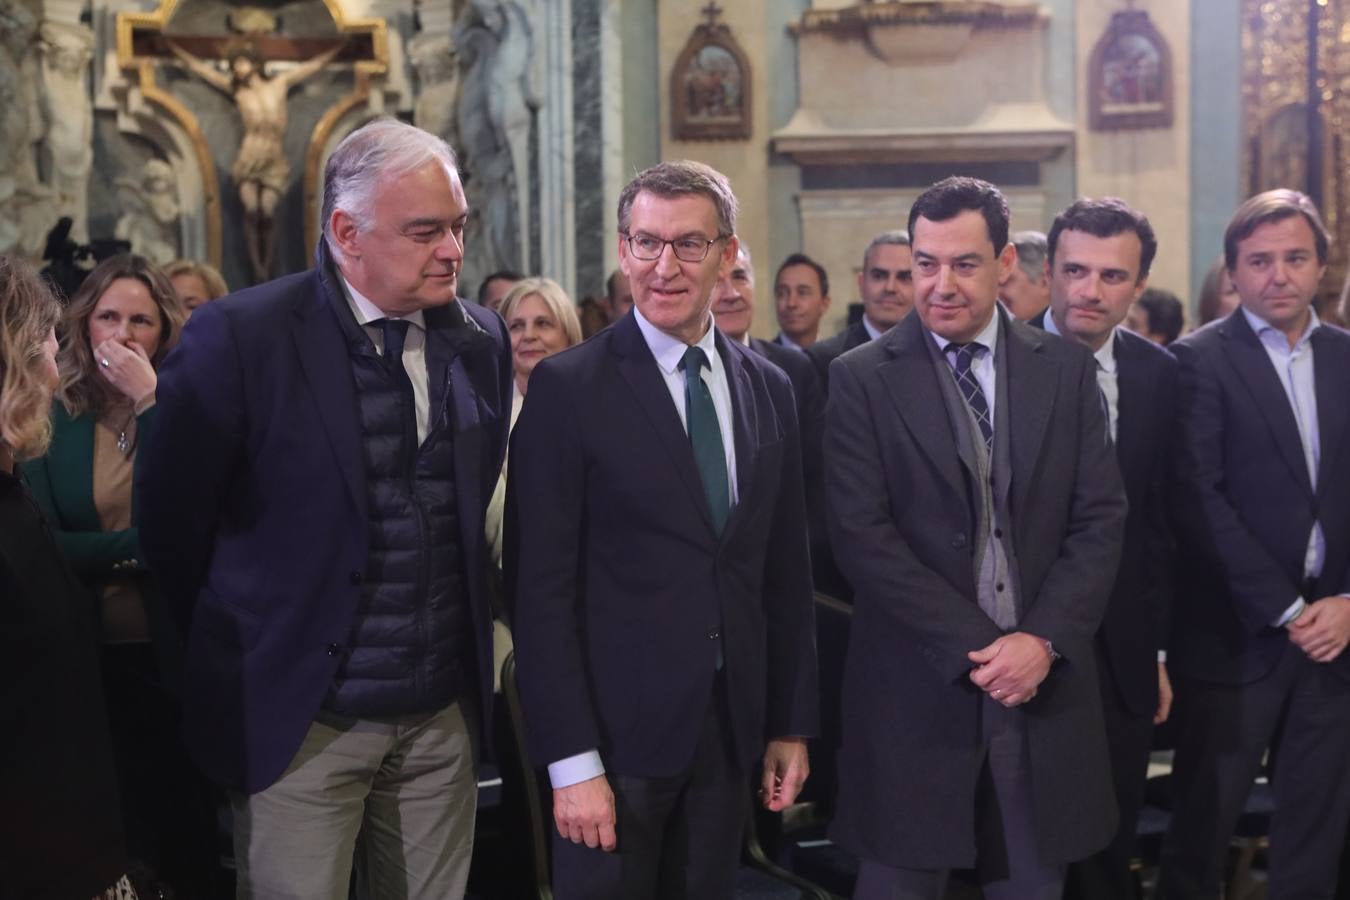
(706, 436)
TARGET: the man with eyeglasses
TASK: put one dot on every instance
(658, 568)
(312, 503)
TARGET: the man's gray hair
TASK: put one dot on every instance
(379, 150)
(1032, 250)
(679, 179)
(744, 248)
(898, 237)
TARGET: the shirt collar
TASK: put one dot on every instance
(1261, 326)
(988, 336)
(669, 350)
(873, 332)
(1105, 356)
(367, 312)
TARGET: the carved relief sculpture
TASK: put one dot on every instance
(498, 97)
(69, 115)
(433, 57)
(150, 218)
(26, 207)
(260, 170)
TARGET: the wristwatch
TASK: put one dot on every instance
(1054, 654)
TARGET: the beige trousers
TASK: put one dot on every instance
(393, 797)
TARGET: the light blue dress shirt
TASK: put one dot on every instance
(1294, 367)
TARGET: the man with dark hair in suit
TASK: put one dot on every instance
(801, 292)
(734, 311)
(1100, 252)
(493, 289)
(313, 503)
(659, 569)
(886, 286)
(1263, 612)
(976, 508)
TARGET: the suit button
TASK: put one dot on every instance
(355, 578)
(714, 634)
(998, 533)
(999, 587)
(958, 542)
(334, 649)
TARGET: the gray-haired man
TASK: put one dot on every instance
(325, 547)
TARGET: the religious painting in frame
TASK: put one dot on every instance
(710, 85)
(1130, 75)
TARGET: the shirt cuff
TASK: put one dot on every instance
(1291, 613)
(575, 769)
(1162, 656)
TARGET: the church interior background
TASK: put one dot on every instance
(829, 116)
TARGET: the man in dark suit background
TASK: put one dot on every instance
(659, 570)
(1263, 512)
(886, 286)
(734, 311)
(977, 510)
(313, 501)
(1100, 252)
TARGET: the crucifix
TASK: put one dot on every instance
(260, 170)
(712, 11)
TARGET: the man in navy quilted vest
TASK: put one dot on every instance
(313, 501)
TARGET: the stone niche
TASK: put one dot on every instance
(895, 95)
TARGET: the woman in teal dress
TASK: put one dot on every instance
(119, 326)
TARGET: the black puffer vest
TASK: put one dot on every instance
(412, 632)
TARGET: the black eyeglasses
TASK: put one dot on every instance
(687, 249)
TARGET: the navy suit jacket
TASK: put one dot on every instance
(810, 395)
(623, 593)
(1245, 504)
(1135, 627)
(902, 508)
(253, 505)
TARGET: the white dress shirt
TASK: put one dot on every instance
(368, 316)
(873, 332)
(1107, 379)
(668, 352)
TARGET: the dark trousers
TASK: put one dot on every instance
(168, 807)
(1007, 857)
(678, 837)
(1106, 875)
(1223, 732)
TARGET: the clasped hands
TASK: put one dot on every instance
(584, 812)
(1322, 630)
(1012, 668)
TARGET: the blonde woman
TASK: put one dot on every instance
(541, 320)
(196, 283)
(63, 836)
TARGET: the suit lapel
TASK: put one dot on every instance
(1134, 382)
(911, 382)
(322, 347)
(1031, 399)
(744, 423)
(1252, 364)
(638, 367)
(1331, 367)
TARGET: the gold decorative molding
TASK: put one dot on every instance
(139, 39)
(1292, 124)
